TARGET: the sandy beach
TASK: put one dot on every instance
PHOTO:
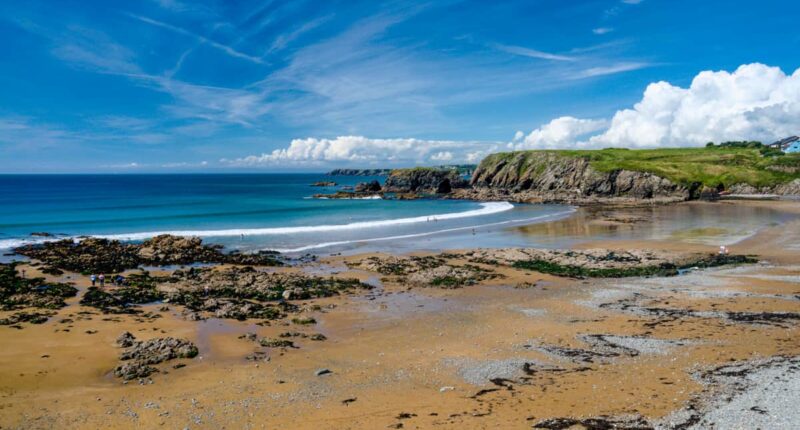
(519, 349)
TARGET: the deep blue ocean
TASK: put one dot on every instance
(241, 211)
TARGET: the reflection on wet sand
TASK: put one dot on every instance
(707, 223)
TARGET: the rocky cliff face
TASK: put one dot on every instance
(788, 189)
(424, 180)
(549, 176)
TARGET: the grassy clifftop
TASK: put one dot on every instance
(710, 166)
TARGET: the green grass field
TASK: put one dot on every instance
(711, 166)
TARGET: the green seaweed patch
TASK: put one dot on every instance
(304, 320)
(27, 317)
(275, 343)
(17, 292)
(666, 269)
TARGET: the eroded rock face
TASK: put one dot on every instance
(788, 189)
(424, 180)
(553, 177)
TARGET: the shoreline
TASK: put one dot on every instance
(405, 346)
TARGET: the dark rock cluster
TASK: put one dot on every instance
(140, 356)
(423, 180)
(94, 255)
(17, 292)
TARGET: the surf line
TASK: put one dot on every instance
(553, 216)
(485, 209)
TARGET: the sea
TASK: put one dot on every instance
(255, 212)
(246, 212)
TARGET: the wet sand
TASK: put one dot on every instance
(483, 356)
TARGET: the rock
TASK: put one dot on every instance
(446, 388)
(134, 370)
(241, 293)
(143, 355)
(93, 255)
(424, 180)
(126, 340)
(368, 187)
(275, 343)
(324, 184)
(42, 234)
(708, 193)
(304, 321)
(323, 371)
(17, 292)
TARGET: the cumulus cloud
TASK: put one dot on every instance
(558, 133)
(360, 150)
(754, 102)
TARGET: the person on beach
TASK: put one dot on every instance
(93, 278)
(119, 280)
(102, 279)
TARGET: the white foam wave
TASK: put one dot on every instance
(485, 209)
(6, 244)
(413, 235)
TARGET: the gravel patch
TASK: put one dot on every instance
(477, 372)
(761, 394)
(640, 344)
(531, 312)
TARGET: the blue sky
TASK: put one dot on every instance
(174, 85)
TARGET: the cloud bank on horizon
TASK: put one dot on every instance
(754, 102)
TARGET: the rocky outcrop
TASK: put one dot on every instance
(359, 172)
(368, 187)
(549, 176)
(424, 180)
(17, 292)
(139, 356)
(788, 189)
(94, 255)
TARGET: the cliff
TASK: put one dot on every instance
(550, 176)
(662, 174)
(424, 180)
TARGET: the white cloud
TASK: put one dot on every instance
(612, 69)
(359, 150)
(755, 102)
(558, 133)
(602, 30)
(442, 156)
(532, 53)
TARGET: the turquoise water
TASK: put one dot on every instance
(246, 212)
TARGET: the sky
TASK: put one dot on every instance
(241, 86)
